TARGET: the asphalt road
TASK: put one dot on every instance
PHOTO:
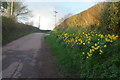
(29, 57)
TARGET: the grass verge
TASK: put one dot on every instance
(102, 66)
(61, 54)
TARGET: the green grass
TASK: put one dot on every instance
(102, 66)
(61, 54)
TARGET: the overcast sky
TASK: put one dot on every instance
(45, 10)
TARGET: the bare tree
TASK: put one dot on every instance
(16, 10)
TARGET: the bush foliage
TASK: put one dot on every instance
(110, 18)
(12, 29)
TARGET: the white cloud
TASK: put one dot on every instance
(46, 17)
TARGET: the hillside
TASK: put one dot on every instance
(12, 30)
(87, 44)
(89, 17)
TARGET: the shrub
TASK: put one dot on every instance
(12, 29)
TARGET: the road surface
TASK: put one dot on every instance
(29, 57)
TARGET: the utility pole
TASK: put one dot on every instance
(39, 22)
(55, 16)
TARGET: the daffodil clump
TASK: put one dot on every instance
(88, 43)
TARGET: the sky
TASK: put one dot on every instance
(45, 10)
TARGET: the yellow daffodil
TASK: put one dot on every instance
(93, 50)
(89, 39)
(89, 55)
(79, 39)
(86, 35)
(105, 45)
(101, 51)
(76, 37)
(85, 39)
(93, 47)
(105, 35)
(88, 42)
(83, 43)
(114, 38)
(107, 39)
(98, 42)
(108, 34)
(76, 40)
(83, 52)
(90, 50)
(111, 41)
(83, 33)
(98, 47)
(102, 36)
(95, 44)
